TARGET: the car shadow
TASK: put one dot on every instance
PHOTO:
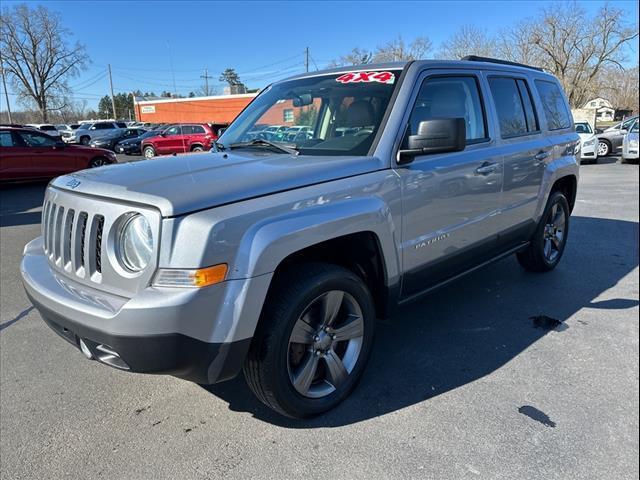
(17, 199)
(473, 327)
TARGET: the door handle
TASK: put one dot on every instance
(542, 155)
(487, 168)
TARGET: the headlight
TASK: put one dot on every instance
(633, 143)
(591, 142)
(135, 243)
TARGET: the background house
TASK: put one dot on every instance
(601, 109)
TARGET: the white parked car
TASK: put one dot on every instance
(588, 143)
(630, 144)
(47, 128)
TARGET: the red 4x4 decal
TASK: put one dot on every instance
(366, 77)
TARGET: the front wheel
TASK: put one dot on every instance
(312, 342)
(148, 152)
(548, 243)
(604, 148)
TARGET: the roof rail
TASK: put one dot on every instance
(475, 58)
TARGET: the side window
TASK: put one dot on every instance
(32, 139)
(198, 129)
(627, 124)
(6, 140)
(514, 106)
(173, 131)
(553, 104)
(450, 97)
(187, 129)
(529, 109)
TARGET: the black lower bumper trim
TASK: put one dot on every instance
(171, 354)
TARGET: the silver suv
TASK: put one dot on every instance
(276, 258)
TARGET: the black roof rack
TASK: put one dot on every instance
(475, 58)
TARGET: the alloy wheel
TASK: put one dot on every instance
(603, 149)
(325, 344)
(554, 233)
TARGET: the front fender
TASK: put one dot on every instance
(269, 242)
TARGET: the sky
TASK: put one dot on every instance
(166, 45)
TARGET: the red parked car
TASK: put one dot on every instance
(27, 154)
(182, 138)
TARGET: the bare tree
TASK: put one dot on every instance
(573, 53)
(37, 57)
(620, 87)
(356, 56)
(396, 50)
(515, 44)
(468, 40)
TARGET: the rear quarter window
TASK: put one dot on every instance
(554, 105)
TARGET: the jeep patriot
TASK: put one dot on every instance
(275, 258)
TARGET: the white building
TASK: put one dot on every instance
(601, 108)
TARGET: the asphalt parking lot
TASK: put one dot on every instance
(503, 374)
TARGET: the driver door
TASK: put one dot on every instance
(450, 201)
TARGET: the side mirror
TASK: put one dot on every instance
(437, 135)
(163, 134)
(60, 144)
(221, 131)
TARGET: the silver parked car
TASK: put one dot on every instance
(90, 131)
(610, 141)
(630, 144)
(275, 258)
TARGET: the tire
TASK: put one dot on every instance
(98, 162)
(148, 152)
(84, 140)
(197, 148)
(604, 148)
(546, 248)
(275, 366)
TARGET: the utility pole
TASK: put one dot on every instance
(306, 59)
(206, 77)
(113, 100)
(4, 85)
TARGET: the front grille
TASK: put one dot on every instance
(66, 236)
(75, 230)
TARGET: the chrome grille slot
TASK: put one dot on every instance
(67, 238)
(99, 220)
(57, 234)
(50, 220)
(46, 211)
(78, 251)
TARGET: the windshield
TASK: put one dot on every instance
(634, 127)
(84, 126)
(583, 128)
(337, 114)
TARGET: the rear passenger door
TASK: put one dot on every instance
(450, 200)
(524, 149)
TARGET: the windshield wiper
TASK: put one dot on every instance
(266, 143)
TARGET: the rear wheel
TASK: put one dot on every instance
(197, 148)
(84, 140)
(313, 340)
(548, 242)
(604, 148)
(149, 152)
(98, 162)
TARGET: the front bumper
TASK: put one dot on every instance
(589, 152)
(187, 333)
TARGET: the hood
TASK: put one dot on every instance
(183, 184)
(586, 136)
